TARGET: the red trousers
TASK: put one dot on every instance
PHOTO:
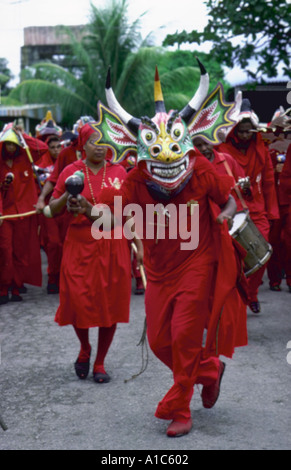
(177, 312)
(52, 242)
(280, 239)
(20, 260)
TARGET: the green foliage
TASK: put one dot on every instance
(110, 41)
(242, 30)
(5, 76)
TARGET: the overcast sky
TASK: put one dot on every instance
(162, 17)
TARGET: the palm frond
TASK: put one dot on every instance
(40, 91)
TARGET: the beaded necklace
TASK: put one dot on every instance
(89, 182)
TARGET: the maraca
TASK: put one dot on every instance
(75, 184)
(9, 177)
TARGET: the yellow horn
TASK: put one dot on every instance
(158, 94)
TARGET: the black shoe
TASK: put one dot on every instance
(276, 288)
(82, 369)
(101, 378)
(4, 299)
(22, 289)
(52, 289)
(255, 306)
(16, 298)
(289, 287)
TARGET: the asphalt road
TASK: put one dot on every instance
(46, 407)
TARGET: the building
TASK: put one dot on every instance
(52, 43)
(265, 98)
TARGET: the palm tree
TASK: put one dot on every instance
(111, 41)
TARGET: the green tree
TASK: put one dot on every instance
(110, 41)
(5, 76)
(242, 30)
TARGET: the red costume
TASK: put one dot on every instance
(67, 156)
(280, 233)
(93, 272)
(179, 295)
(51, 234)
(262, 204)
(19, 242)
(225, 164)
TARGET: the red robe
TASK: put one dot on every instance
(179, 284)
(95, 280)
(225, 164)
(262, 205)
(20, 260)
(67, 156)
(51, 230)
(280, 233)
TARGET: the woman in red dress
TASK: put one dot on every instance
(95, 279)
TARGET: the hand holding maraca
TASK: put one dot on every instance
(76, 203)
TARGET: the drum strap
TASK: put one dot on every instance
(229, 172)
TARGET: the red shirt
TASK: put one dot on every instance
(257, 164)
(67, 156)
(164, 257)
(221, 162)
(285, 180)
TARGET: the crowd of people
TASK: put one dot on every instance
(93, 279)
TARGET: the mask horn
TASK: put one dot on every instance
(131, 122)
(200, 95)
(158, 94)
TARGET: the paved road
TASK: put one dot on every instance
(46, 407)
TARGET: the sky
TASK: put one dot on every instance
(161, 17)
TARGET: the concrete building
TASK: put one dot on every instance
(52, 43)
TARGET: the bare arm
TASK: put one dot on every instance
(227, 212)
(46, 190)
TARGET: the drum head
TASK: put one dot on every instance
(238, 220)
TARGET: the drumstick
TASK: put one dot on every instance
(12, 216)
(142, 273)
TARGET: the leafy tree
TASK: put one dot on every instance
(110, 41)
(5, 76)
(243, 30)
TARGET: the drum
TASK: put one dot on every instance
(245, 232)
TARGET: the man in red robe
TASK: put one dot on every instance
(246, 146)
(50, 228)
(224, 164)
(280, 233)
(181, 212)
(59, 224)
(20, 260)
(186, 292)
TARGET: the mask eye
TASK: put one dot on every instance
(148, 136)
(177, 131)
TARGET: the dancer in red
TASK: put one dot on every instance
(20, 260)
(246, 146)
(224, 164)
(280, 233)
(49, 227)
(95, 281)
(177, 196)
